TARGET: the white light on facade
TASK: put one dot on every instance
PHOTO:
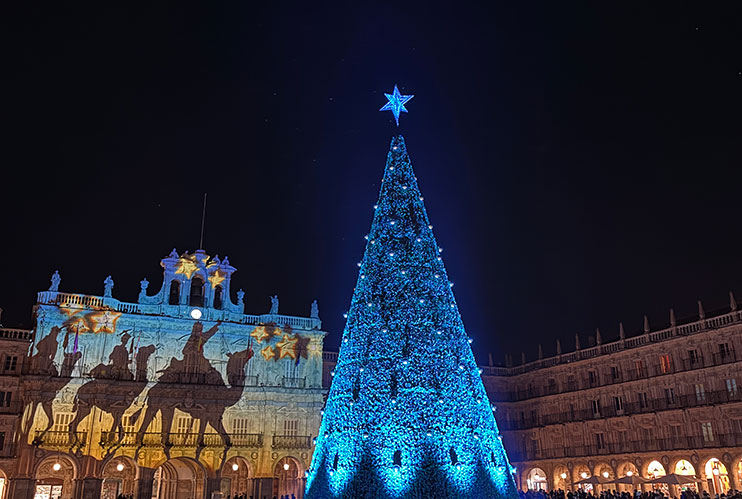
(235, 467)
(119, 467)
(195, 314)
(286, 466)
(57, 467)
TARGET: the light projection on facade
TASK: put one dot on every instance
(407, 414)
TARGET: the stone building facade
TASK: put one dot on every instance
(663, 401)
(179, 395)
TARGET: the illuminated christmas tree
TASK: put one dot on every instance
(407, 415)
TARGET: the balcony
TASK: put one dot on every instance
(293, 382)
(249, 440)
(60, 438)
(291, 442)
(630, 447)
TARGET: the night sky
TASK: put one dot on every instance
(581, 163)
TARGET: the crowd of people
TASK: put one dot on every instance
(613, 494)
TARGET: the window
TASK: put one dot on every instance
(596, 407)
(643, 400)
(218, 297)
(707, 429)
(593, 377)
(600, 441)
(641, 369)
(670, 395)
(615, 373)
(676, 432)
(62, 422)
(240, 426)
(693, 356)
(182, 424)
(552, 385)
(11, 361)
(724, 350)
(731, 387)
(571, 383)
(572, 412)
(737, 426)
(700, 392)
(2, 440)
(290, 368)
(648, 434)
(197, 292)
(290, 427)
(618, 404)
(174, 292)
(5, 399)
(622, 438)
(665, 363)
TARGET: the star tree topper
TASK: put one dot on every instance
(396, 103)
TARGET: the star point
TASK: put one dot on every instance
(396, 103)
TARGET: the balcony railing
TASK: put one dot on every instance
(629, 447)
(190, 439)
(627, 408)
(291, 442)
(60, 438)
(293, 382)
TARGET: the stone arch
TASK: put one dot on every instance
(3, 483)
(580, 472)
(717, 475)
(240, 474)
(180, 477)
(602, 468)
(288, 477)
(536, 479)
(626, 467)
(653, 468)
(561, 478)
(120, 474)
(682, 466)
(57, 473)
(736, 470)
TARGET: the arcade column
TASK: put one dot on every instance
(88, 488)
(144, 483)
(21, 488)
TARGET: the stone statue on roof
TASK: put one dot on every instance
(274, 304)
(315, 310)
(108, 287)
(56, 279)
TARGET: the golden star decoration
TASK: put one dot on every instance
(261, 333)
(104, 322)
(287, 347)
(268, 353)
(216, 278)
(186, 266)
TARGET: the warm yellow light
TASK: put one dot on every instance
(716, 471)
(286, 466)
(564, 476)
(120, 467)
(583, 474)
(605, 474)
(629, 473)
(57, 467)
(235, 467)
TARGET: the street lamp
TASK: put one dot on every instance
(235, 467)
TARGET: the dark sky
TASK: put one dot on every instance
(581, 163)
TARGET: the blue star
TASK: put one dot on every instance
(396, 103)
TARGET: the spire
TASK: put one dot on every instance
(407, 414)
(559, 347)
(701, 313)
(732, 302)
(621, 332)
(577, 341)
(646, 325)
(673, 321)
(540, 352)
(598, 338)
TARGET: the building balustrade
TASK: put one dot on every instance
(685, 365)
(154, 439)
(60, 438)
(15, 334)
(290, 382)
(626, 409)
(291, 442)
(629, 447)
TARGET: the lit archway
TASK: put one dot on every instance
(237, 478)
(604, 471)
(536, 479)
(561, 478)
(119, 477)
(655, 470)
(627, 469)
(684, 467)
(288, 478)
(717, 476)
(55, 477)
(179, 478)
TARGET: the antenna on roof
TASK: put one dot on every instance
(203, 219)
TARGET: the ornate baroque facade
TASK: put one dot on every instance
(180, 395)
(661, 402)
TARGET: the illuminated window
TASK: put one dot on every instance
(197, 292)
(641, 369)
(174, 292)
(62, 421)
(707, 430)
(665, 363)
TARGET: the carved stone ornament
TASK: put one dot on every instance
(613, 464)
(638, 462)
(254, 455)
(665, 460)
(569, 465)
(694, 458)
(274, 455)
(591, 464)
(726, 457)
